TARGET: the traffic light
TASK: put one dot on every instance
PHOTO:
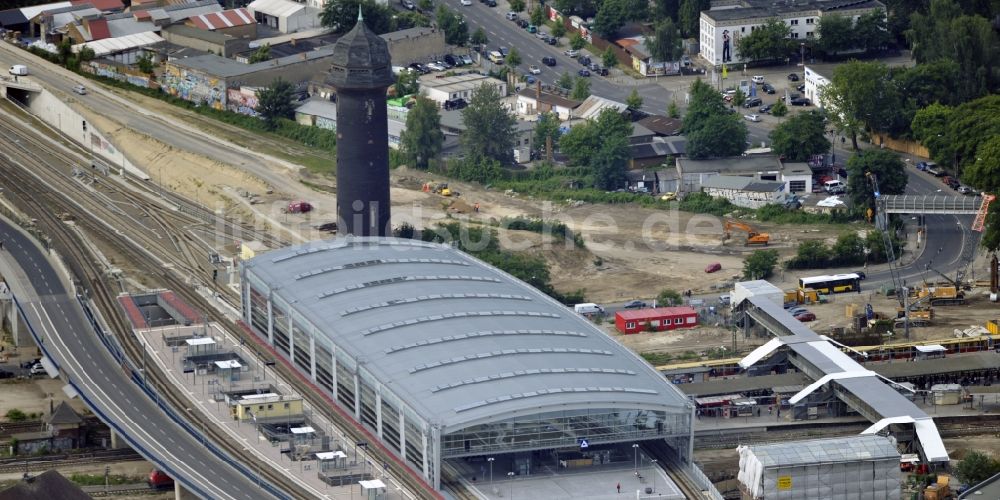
(84, 125)
(215, 274)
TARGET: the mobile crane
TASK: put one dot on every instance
(753, 236)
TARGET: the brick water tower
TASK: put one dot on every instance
(361, 72)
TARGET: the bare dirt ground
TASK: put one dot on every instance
(32, 396)
(138, 470)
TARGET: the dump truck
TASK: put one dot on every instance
(753, 236)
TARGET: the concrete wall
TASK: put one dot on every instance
(419, 48)
(59, 115)
(224, 46)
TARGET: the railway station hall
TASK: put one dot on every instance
(444, 357)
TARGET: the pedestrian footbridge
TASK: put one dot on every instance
(930, 204)
(865, 391)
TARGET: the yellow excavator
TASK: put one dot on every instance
(753, 236)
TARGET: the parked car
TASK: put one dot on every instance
(636, 304)
(713, 267)
(436, 66)
(530, 80)
(795, 311)
(768, 88)
(752, 118)
(6, 374)
(921, 165)
(37, 370)
(408, 4)
(765, 108)
(753, 102)
(602, 71)
(450, 61)
(951, 182)
(466, 60)
(861, 274)
(532, 28)
(534, 70)
(541, 35)
(801, 88)
(792, 77)
(491, 3)
(966, 190)
(551, 40)
(504, 51)
(584, 60)
(758, 79)
(512, 16)
(466, 2)
(583, 72)
(458, 103)
(572, 53)
(29, 364)
(523, 23)
(725, 299)
(549, 61)
(806, 317)
(80, 89)
(419, 68)
(801, 101)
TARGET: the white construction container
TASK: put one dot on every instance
(848, 468)
(758, 288)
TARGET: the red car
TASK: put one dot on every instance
(713, 267)
(806, 316)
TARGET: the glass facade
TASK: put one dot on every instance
(324, 366)
(302, 358)
(280, 326)
(564, 428)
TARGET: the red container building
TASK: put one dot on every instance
(660, 318)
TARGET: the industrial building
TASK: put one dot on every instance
(655, 319)
(844, 468)
(443, 356)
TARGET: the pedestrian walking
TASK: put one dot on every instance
(758, 411)
(770, 409)
(778, 417)
(477, 208)
(619, 488)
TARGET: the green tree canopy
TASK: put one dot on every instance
(513, 58)
(849, 250)
(968, 126)
(517, 5)
(800, 136)
(888, 168)
(704, 102)
(769, 42)
(665, 44)
(581, 89)
(565, 81)
(342, 15)
(546, 130)
(760, 264)
(145, 63)
(722, 136)
(871, 31)
(275, 102)
(479, 37)
(537, 15)
(811, 254)
(665, 9)
(576, 41)
(836, 34)
(490, 126)
(558, 29)
(407, 83)
(610, 163)
(672, 110)
(864, 98)
(984, 174)
(668, 297)
(779, 109)
(601, 145)
(634, 100)
(456, 30)
(976, 467)
(739, 98)
(930, 127)
(689, 16)
(609, 58)
(422, 139)
(610, 18)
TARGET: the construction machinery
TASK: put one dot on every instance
(753, 236)
(440, 188)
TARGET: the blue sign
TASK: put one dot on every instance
(584, 443)
(869, 312)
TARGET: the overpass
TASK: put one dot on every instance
(930, 204)
(75, 348)
(816, 356)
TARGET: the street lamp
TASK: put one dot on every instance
(802, 54)
(653, 473)
(510, 491)
(635, 453)
(490, 460)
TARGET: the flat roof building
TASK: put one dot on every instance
(443, 356)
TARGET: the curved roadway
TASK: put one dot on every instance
(59, 325)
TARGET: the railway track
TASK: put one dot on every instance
(665, 459)
(46, 462)
(43, 203)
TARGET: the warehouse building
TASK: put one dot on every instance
(442, 356)
(656, 319)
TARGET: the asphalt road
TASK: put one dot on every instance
(80, 355)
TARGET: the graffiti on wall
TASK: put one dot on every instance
(116, 72)
(194, 86)
(242, 100)
(97, 143)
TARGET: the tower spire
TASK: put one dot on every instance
(360, 17)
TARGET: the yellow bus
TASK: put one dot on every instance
(835, 283)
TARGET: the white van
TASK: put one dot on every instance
(588, 308)
(19, 70)
(496, 57)
(834, 187)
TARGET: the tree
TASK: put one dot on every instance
(689, 16)
(739, 98)
(537, 15)
(976, 467)
(887, 167)
(145, 63)
(582, 8)
(970, 125)
(722, 136)
(581, 89)
(665, 9)
(665, 44)
(610, 18)
(408, 19)
(576, 41)
(609, 59)
(582, 143)
(517, 5)
(275, 102)
(558, 29)
(513, 58)
(668, 297)
(547, 133)
(634, 100)
(836, 34)
(479, 37)
(611, 162)
(871, 31)
(263, 53)
(779, 109)
(811, 254)
(426, 5)
(565, 81)
(930, 127)
(704, 103)
(407, 83)
(800, 137)
(862, 98)
(984, 173)
(456, 30)
(769, 42)
(490, 126)
(672, 110)
(342, 15)
(86, 54)
(849, 250)
(760, 264)
(422, 139)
